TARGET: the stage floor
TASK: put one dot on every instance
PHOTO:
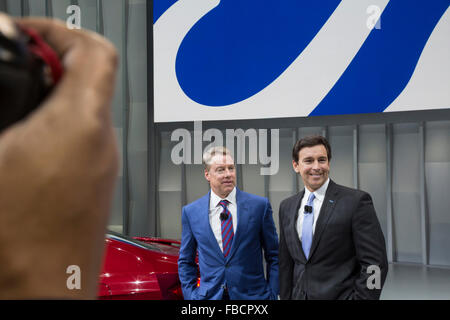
(415, 282)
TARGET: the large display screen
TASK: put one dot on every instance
(260, 59)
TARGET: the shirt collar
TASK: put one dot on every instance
(215, 199)
(319, 193)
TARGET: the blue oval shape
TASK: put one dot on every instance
(240, 47)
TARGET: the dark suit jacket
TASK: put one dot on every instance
(242, 270)
(347, 240)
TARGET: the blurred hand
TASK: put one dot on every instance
(57, 173)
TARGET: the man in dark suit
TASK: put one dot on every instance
(229, 229)
(331, 243)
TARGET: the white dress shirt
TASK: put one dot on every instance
(317, 205)
(215, 209)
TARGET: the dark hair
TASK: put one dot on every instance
(310, 141)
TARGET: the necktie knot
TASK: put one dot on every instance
(224, 203)
(311, 199)
(225, 213)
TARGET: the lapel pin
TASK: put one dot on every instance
(331, 201)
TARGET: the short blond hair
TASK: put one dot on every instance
(211, 152)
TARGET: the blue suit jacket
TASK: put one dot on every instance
(242, 271)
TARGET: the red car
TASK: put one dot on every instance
(140, 268)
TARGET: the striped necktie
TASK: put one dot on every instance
(227, 227)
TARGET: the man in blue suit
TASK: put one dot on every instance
(229, 229)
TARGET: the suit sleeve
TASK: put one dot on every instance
(286, 263)
(370, 251)
(187, 267)
(270, 246)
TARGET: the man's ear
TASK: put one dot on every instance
(295, 166)
(207, 175)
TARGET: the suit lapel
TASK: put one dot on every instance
(295, 206)
(325, 213)
(242, 223)
(205, 225)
